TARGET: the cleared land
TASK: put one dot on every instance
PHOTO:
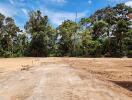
(66, 79)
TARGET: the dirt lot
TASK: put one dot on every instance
(65, 79)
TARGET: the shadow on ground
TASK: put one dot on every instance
(125, 84)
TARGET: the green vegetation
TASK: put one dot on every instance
(106, 33)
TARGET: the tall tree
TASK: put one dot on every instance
(41, 33)
(128, 43)
(9, 32)
(120, 34)
(67, 33)
(91, 48)
(2, 17)
(99, 28)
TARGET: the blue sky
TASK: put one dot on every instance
(57, 10)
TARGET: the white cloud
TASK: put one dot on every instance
(24, 11)
(89, 1)
(12, 11)
(59, 1)
(58, 17)
(116, 0)
(18, 2)
(8, 10)
(129, 3)
(11, 1)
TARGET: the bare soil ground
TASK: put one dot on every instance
(65, 79)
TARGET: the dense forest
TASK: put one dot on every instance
(106, 33)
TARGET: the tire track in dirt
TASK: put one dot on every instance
(55, 82)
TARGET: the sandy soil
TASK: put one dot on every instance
(65, 79)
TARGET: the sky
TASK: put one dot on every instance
(57, 10)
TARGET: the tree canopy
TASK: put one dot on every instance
(106, 33)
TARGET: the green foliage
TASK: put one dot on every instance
(120, 34)
(67, 34)
(105, 33)
(128, 43)
(8, 34)
(41, 34)
(85, 21)
(112, 34)
(91, 48)
(99, 28)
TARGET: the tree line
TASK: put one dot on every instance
(106, 33)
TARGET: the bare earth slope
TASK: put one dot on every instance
(53, 79)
